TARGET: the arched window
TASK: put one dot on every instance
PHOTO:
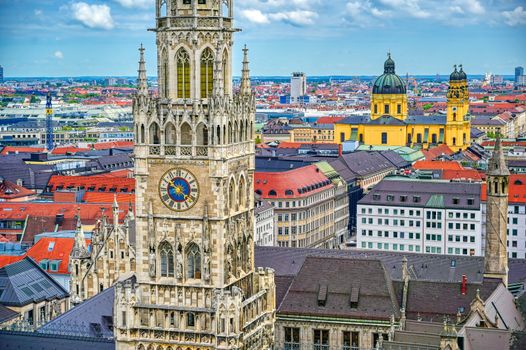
(142, 133)
(226, 80)
(218, 134)
(207, 73)
(165, 75)
(289, 193)
(242, 192)
(170, 137)
(454, 117)
(154, 134)
(232, 195)
(202, 134)
(271, 193)
(141, 347)
(193, 262)
(186, 134)
(454, 141)
(183, 74)
(167, 259)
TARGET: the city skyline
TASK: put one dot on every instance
(343, 38)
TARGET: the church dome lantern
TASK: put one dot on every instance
(389, 82)
(456, 75)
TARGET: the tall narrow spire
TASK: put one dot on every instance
(115, 211)
(497, 164)
(245, 88)
(142, 81)
(496, 254)
(79, 246)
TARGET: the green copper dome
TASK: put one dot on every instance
(455, 76)
(462, 74)
(389, 82)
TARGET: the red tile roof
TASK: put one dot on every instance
(437, 165)
(92, 183)
(9, 259)
(295, 183)
(437, 151)
(465, 174)
(328, 120)
(10, 191)
(114, 144)
(105, 197)
(516, 192)
(504, 143)
(15, 149)
(68, 150)
(54, 248)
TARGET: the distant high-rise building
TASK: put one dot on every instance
(518, 72)
(497, 79)
(298, 86)
(1, 74)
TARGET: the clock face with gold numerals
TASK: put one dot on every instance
(178, 189)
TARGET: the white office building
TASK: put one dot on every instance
(421, 216)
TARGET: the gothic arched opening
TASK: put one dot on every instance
(207, 73)
(202, 134)
(155, 136)
(186, 134)
(193, 261)
(170, 137)
(167, 259)
(183, 73)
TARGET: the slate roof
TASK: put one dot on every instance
(366, 280)
(24, 282)
(430, 267)
(430, 300)
(6, 314)
(366, 163)
(386, 120)
(33, 176)
(394, 192)
(428, 120)
(92, 319)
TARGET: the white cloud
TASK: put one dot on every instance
(93, 16)
(59, 55)
(255, 16)
(38, 13)
(297, 17)
(300, 17)
(515, 17)
(136, 3)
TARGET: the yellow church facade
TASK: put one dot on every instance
(390, 125)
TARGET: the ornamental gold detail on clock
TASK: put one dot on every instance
(179, 189)
(195, 285)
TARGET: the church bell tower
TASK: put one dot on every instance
(496, 257)
(196, 286)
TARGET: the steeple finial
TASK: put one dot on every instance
(79, 246)
(455, 66)
(115, 208)
(245, 88)
(142, 80)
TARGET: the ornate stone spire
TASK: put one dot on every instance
(79, 247)
(142, 81)
(245, 89)
(218, 72)
(115, 209)
(497, 164)
(496, 255)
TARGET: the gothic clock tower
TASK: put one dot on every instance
(196, 286)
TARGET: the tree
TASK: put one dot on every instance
(427, 106)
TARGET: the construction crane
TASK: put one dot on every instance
(49, 123)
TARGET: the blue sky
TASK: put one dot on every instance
(319, 37)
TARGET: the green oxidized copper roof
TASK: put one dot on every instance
(329, 171)
(436, 201)
(389, 82)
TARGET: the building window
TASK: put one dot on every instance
(342, 137)
(207, 72)
(190, 319)
(386, 109)
(375, 109)
(167, 259)
(399, 109)
(292, 338)
(384, 138)
(183, 74)
(193, 262)
(321, 339)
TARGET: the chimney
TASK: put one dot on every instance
(464, 285)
